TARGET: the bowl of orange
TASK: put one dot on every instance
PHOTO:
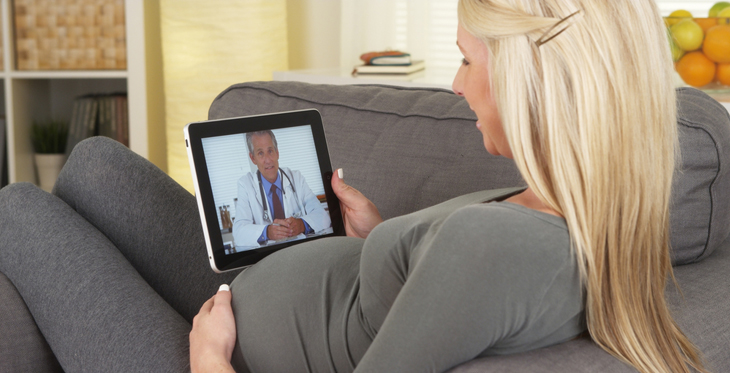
(701, 50)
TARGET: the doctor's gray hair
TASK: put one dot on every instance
(250, 135)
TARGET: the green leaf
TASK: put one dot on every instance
(49, 137)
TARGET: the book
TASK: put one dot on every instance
(404, 59)
(106, 124)
(389, 69)
(3, 155)
(386, 58)
(75, 127)
(91, 117)
(384, 78)
(122, 119)
(98, 115)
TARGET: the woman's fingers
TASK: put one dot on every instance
(213, 336)
(359, 213)
(222, 297)
(348, 196)
(206, 307)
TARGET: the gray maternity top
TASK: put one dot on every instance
(423, 293)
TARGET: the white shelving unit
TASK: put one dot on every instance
(39, 95)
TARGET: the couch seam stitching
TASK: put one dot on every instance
(338, 104)
(720, 168)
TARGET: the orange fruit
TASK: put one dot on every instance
(723, 73)
(706, 23)
(716, 45)
(696, 69)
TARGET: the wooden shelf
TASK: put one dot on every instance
(71, 74)
(40, 95)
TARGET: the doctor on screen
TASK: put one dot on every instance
(275, 203)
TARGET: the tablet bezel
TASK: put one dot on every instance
(195, 133)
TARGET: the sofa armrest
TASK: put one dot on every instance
(22, 346)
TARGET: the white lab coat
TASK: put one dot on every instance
(249, 221)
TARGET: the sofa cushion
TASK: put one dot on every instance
(22, 347)
(700, 211)
(700, 306)
(700, 312)
(580, 355)
(394, 160)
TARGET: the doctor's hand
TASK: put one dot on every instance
(296, 226)
(278, 230)
(359, 213)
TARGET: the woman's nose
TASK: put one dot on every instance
(456, 86)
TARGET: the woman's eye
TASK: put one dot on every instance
(464, 62)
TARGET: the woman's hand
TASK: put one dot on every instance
(359, 214)
(214, 335)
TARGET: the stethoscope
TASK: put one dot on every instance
(265, 201)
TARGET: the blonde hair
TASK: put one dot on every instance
(590, 116)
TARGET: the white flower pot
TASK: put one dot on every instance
(48, 167)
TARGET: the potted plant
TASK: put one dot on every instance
(49, 142)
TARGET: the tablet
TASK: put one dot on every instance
(262, 184)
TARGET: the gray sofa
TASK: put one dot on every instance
(404, 147)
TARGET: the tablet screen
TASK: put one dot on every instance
(262, 184)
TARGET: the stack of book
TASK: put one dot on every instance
(388, 63)
(99, 115)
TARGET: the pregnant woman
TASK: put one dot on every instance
(572, 90)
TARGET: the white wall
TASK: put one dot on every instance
(314, 33)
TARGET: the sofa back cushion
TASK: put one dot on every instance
(405, 149)
(700, 211)
(410, 148)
